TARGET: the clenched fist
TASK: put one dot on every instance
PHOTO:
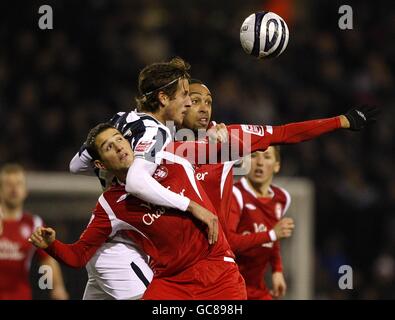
(284, 228)
(43, 237)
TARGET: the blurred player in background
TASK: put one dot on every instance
(16, 252)
(257, 207)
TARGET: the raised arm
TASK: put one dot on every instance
(261, 137)
(245, 139)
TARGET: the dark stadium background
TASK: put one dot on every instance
(56, 84)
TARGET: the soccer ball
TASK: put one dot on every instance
(264, 35)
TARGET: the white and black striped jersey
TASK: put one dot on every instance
(146, 135)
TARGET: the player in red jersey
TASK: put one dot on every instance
(217, 178)
(186, 266)
(257, 207)
(16, 252)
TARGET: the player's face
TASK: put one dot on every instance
(13, 190)
(199, 115)
(263, 166)
(115, 151)
(177, 107)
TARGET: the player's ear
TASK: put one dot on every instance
(163, 98)
(99, 164)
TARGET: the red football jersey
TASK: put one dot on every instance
(174, 240)
(251, 219)
(16, 254)
(217, 181)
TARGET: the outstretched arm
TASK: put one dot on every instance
(78, 254)
(262, 137)
(245, 139)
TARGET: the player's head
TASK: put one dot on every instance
(264, 164)
(164, 89)
(109, 149)
(198, 116)
(13, 191)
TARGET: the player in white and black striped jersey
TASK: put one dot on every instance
(142, 130)
(164, 96)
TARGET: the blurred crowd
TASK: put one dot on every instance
(56, 84)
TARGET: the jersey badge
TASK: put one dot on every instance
(253, 129)
(160, 173)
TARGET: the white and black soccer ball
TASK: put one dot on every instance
(264, 35)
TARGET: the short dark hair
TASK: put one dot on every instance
(161, 76)
(90, 142)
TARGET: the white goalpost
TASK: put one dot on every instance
(298, 251)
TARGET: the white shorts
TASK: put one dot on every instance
(117, 271)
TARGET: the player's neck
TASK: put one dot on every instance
(260, 189)
(11, 213)
(157, 116)
(121, 175)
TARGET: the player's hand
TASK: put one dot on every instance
(218, 133)
(208, 218)
(284, 228)
(43, 237)
(359, 117)
(279, 285)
